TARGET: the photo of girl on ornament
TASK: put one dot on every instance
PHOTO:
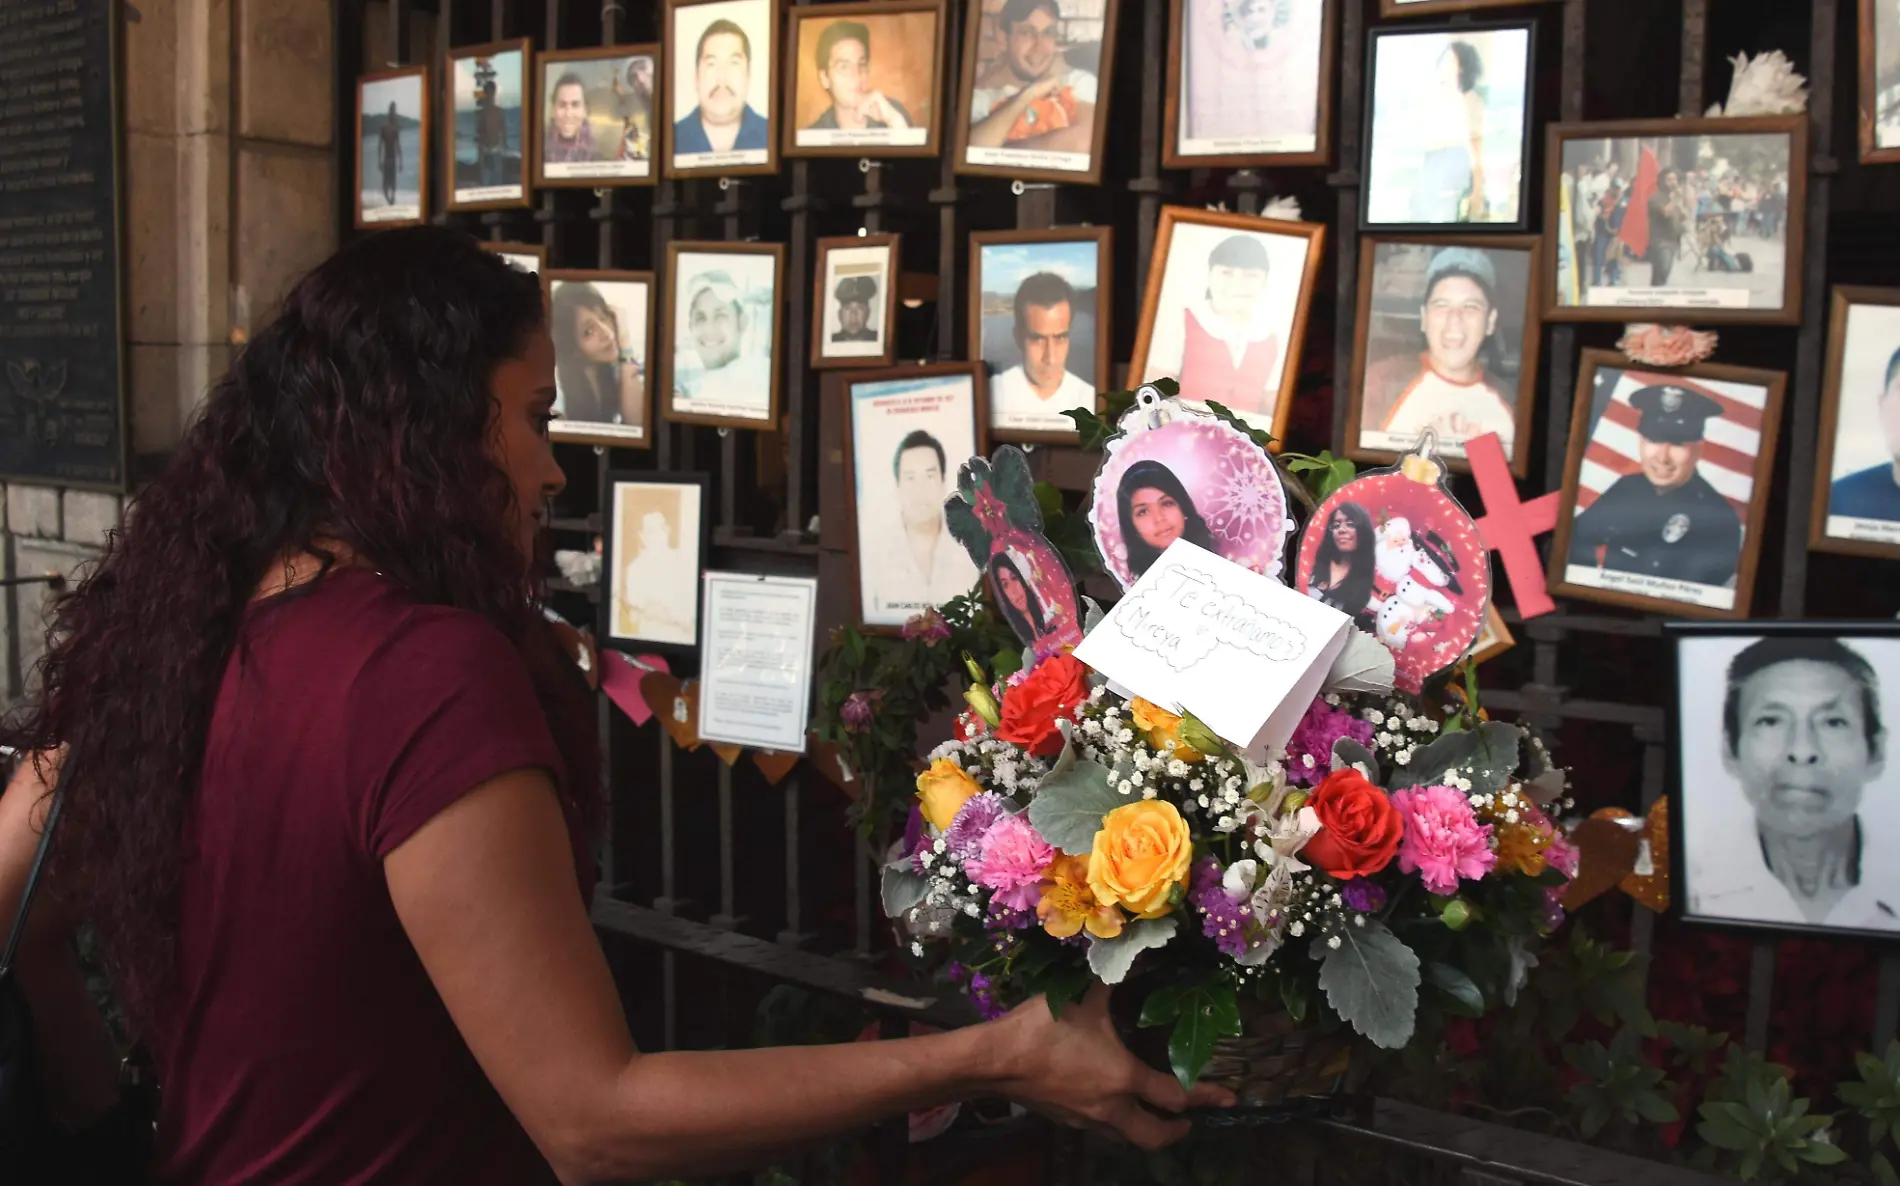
(1035, 593)
(1403, 559)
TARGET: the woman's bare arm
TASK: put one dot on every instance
(486, 892)
(77, 1055)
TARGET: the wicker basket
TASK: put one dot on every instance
(1276, 1060)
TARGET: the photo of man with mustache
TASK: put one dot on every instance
(723, 121)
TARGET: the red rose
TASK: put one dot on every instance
(1032, 708)
(1362, 829)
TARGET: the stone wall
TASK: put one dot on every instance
(230, 192)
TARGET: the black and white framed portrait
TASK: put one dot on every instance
(602, 325)
(1666, 485)
(906, 434)
(720, 87)
(1675, 220)
(856, 297)
(1786, 812)
(720, 343)
(1033, 98)
(1250, 83)
(1449, 126)
(864, 79)
(392, 159)
(1857, 471)
(1039, 303)
(486, 153)
(1446, 340)
(598, 121)
(655, 547)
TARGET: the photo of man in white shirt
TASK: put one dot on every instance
(1041, 386)
(907, 561)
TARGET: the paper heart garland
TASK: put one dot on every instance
(1652, 888)
(620, 677)
(774, 765)
(1621, 850)
(676, 705)
(830, 761)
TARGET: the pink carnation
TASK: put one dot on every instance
(1443, 839)
(1010, 859)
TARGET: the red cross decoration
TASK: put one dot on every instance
(1510, 526)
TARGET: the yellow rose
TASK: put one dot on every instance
(1142, 852)
(1158, 727)
(943, 790)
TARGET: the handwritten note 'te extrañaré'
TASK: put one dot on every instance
(1199, 633)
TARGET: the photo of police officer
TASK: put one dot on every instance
(1661, 483)
(855, 295)
(853, 298)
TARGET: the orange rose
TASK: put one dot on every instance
(1361, 829)
(1052, 692)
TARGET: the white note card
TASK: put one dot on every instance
(1240, 651)
(755, 686)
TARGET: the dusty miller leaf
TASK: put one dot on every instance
(1071, 801)
(1364, 665)
(1371, 980)
(900, 887)
(1110, 959)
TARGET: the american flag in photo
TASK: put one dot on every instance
(1730, 441)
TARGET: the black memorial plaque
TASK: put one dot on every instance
(62, 364)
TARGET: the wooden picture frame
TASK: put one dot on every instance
(768, 86)
(1179, 76)
(1172, 217)
(1795, 127)
(571, 428)
(1773, 383)
(525, 48)
(669, 321)
(1369, 141)
(1843, 300)
(892, 246)
(1103, 238)
(533, 250)
(698, 541)
(556, 57)
(424, 119)
(1388, 9)
(1524, 405)
(867, 148)
(1875, 643)
(1027, 171)
(846, 383)
(1499, 633)
(1868, 88)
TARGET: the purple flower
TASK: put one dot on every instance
(1223, 920)
(1309, 754)
(928, 628)
(965, 837)
(1362, 895)
(983, 996)
(858, 709)
(1004, 918)
(914, 838)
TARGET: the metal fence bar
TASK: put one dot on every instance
(1346, 181)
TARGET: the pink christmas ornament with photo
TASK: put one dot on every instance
(1427, 581)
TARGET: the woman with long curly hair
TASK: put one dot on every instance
(328, 788)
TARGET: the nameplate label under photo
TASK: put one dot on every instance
(1242, 652)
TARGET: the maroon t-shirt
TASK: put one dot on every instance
(305, 1042)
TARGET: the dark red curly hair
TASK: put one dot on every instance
(361, 415)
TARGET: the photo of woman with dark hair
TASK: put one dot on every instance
(599, 328)
(1343, 570)
(1156, 510)
(1022, 609)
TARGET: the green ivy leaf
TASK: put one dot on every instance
(1294, 996)
(1883, 1170)
(1063, 985)
(1161, 1007)
(1207, 1012)
(1258, 436)
(1466, 1000)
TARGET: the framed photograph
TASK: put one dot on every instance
(1250, 83)
(1446, 339)
(719, 87)
(1225, 310)
(1449, 120)
(656, 539)
(1496, 637)
(721, 333)
(856, 294)
(486, 149)
(1690, 219)
(602, 324)
(906, 433)
(1392, 8)
(1033, 99)
(529, 257)
(863, 80)
(1039, 307)
(1665, 486)
(392, 159)
(1783, 805)
(1857, 471)
(597, 125)
(755, 682)
(1879, 82)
